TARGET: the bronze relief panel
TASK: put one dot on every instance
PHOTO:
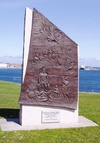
(52, 69)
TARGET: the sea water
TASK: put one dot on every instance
(10, 75)
(89, 80)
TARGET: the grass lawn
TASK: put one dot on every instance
(89, 106)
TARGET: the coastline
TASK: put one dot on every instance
(10, 82)
(10, 65)
(89, 92)
(10, 68)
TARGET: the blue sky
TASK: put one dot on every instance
(79, 19)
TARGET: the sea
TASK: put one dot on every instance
(89, 80)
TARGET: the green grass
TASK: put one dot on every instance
(89, 106)
(9, 94)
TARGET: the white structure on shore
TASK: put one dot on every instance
(9, 65)
(82, 67)
(3, 65)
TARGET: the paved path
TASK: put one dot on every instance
(13, 125)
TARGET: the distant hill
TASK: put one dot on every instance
(11, 59)
(91, 62)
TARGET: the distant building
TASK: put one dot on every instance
(9, 65)
(3, 65)
(14, 65)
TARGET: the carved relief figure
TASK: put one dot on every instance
(50, 56)
(43, 81)
(42, 92)
(65, 83)
(56, 92)
(48, 32)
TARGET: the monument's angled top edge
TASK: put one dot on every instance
(27, 9)
(36, 11)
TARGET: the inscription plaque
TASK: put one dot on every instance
(50, 116)
(51, 77)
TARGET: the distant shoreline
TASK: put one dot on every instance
(9, 65)
(10, 68)
(89, 92)
(10, 82)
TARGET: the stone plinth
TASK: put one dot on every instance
(33, 115)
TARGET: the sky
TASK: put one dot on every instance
(78, 19)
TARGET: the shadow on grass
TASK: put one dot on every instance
(9, 113)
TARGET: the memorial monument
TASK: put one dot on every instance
(49, 90)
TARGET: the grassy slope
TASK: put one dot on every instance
(9, 94)
(89, 107)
